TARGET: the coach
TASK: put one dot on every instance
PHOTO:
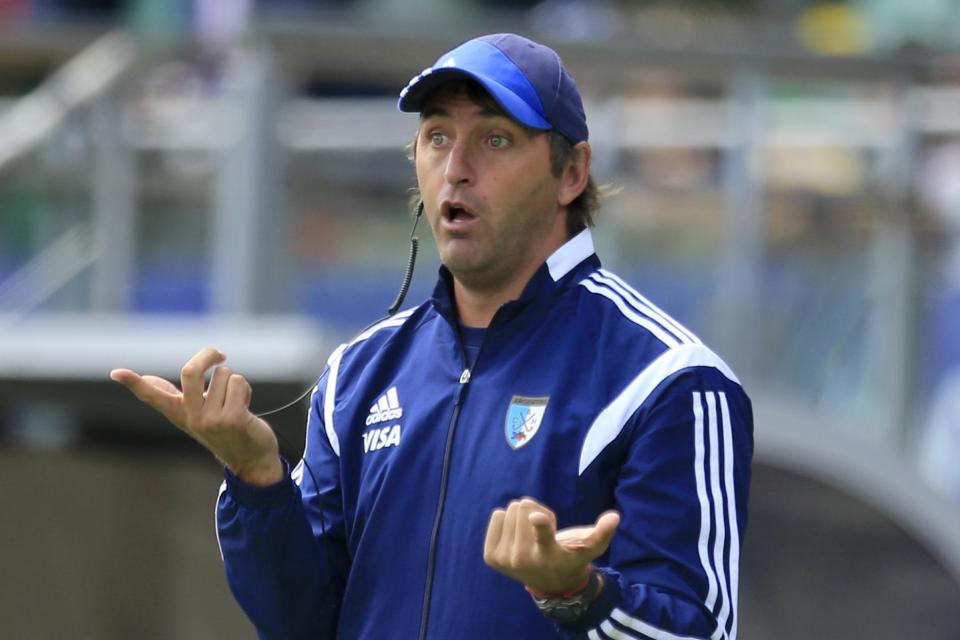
(536, 451)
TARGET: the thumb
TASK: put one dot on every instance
(603, 531)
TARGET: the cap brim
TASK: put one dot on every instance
(417, 93)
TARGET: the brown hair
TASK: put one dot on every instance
(562, 151)
(580, 211)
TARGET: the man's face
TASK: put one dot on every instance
(488, 192)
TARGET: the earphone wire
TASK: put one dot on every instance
(411, 262)
(401, 295)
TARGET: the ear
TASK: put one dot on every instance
(576, 174)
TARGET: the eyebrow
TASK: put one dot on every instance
(439, 112)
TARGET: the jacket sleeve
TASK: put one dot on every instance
(283, 545)
(672, 570)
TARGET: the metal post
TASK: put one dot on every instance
(737, 291)
(244, 241)
(892, 321)
(114, 215)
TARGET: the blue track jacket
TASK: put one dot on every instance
(584, 396)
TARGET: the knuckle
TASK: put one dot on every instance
(210, 422)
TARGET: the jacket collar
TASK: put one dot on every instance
(565, 267)
(569, 256)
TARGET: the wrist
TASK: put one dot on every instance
(262, 473)
(569, 607)
(566, 588)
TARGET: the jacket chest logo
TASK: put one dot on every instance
(524, 417)
(386, 410)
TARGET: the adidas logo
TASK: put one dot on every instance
(387, 408)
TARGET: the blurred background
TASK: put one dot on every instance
(178, 173)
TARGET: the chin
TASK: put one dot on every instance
(459, 258)
(460, 264)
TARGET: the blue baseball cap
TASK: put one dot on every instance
(527, 79)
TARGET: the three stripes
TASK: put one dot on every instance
(718, 544)
(638, 309)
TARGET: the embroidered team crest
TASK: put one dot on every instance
(524, 417)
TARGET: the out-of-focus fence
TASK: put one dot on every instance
(795, 211)
(771, 202)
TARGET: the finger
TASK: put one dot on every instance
(494, 533)
(509, 526)
(164, 401)
(217, 391)
(124, 376)
(526, 529)
(191, 377)
(523, 532)
(238, 392)
(544, 528)
(163, 385)
(236, 405)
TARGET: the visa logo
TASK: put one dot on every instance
(381, 438)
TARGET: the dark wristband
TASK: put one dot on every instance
(569, 606)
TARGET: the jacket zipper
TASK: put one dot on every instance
(441, 502)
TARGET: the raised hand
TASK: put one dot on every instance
(523, 543)
(218, 418)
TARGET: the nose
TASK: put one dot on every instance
(459, 168)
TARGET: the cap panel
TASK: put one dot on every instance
(515, 107)
(526, 78)
(479, 60)
(541, 65)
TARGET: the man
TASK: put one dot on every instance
(458, 452)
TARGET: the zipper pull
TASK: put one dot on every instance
(465, 376)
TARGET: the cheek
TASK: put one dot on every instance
(428, 176)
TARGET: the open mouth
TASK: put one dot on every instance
(454, 212)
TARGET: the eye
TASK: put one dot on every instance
(497, 141)
(437, 138)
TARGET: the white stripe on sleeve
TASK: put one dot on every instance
(330, 397)
(216, 517)
(616, 634)
(731, 513)
(593, 634)
(698, 471)
(636, 301)
(647, 629)
(711, 428)
(651, 308)
(334, 363)
(611, 421)
(607, 292)
(718, 502)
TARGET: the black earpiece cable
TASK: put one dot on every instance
(404, 288)
(401, 295)
(411, 261)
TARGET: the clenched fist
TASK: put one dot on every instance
(218, 418)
